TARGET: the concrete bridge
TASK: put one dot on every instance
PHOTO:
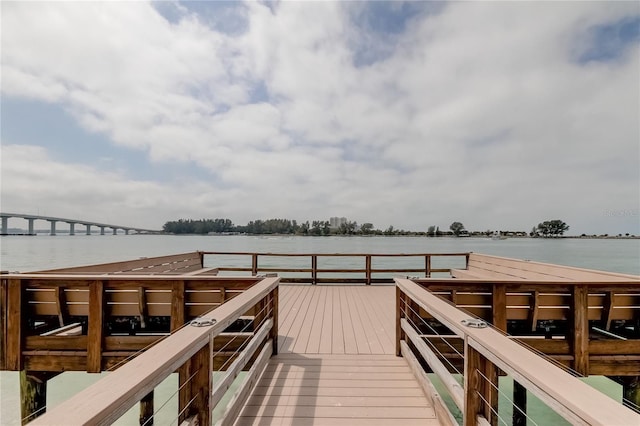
(72, 223)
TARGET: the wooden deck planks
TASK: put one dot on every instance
(337, 319)
(340, 389)
(337, 363)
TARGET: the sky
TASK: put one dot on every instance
(499, 115)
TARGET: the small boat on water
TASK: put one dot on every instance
(498, 236)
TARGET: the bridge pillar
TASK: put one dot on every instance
(53, 227)
(72, 228)
(31, 231)
(102, 230)
(88, 228)
(5, 225)
(115, 231)
(126, 232)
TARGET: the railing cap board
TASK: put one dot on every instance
(108, 399)
(582, 405)
(125, 277)
(222, 253)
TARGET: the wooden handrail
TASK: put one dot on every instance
(108, 399)
(365, 274)
(582, 405)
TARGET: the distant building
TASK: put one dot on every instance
(335, 222)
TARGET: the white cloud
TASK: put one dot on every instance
(481, 112)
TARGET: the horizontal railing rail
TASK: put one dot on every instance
(486, 351)
(317, 268)
(190, 351)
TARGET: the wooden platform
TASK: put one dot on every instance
(337, 363)
(336, 319)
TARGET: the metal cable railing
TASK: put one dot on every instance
(492, 353)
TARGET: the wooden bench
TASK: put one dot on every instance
(483, 266)
(191, 262)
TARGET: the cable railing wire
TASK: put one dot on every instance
(245, 343)
(431, 344)
(187, 405)
(511, 402)
(186, 382)
(493, 410)
(435, 349)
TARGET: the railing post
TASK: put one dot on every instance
(519, 416)
(33, 394)
(146, 410)
(400, 300)
(254, 264)
(177, 305)
(580, 329)
(472, 386)
(95, 330)
(195, 396)
(3, 322)
(15, 325)
(367, 262)
(273, 334)
(314, 269)
(427, 266)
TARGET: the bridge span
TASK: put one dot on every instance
(30, 218)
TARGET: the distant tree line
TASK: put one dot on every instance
(549, 228)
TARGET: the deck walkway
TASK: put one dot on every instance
(337, 363)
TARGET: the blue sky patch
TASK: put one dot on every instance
(229, 17)
(379, 25)
(609, 42)
(28, 122)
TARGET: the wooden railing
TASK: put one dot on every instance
(190, 351)
(486, 352)
(591, 327)
(314, 268)
(92, 322)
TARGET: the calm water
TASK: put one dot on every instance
(21, 253)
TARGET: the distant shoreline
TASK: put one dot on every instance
(416, 235)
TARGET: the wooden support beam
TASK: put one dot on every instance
(254, 264)
(473, 405)
(490, 392)
(177, 305)
(3, 324)
(580, 329)
(519, 417)
(427, 266)
(15, 325)
(273, 335)
(195, 396)
(400, 299)
(314, 269)
(33, 394)
(499, 304)
(367, 267)
(95, 331)
(146, 410)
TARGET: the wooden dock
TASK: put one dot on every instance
(336, 363)
(324, 354)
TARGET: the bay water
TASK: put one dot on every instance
(32, 253)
